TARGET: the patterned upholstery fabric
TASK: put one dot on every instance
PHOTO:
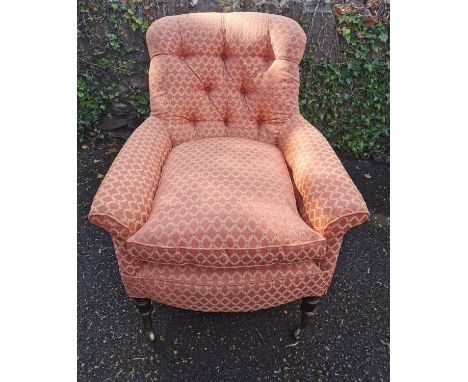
(215, 75)
(125, 198)
(225, 202)
(225, 198)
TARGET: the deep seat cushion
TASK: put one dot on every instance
(225, 202)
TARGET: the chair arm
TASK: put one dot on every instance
(125, 198)
(332, 203)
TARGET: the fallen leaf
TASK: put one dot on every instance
(384, 343)
(100, 176)
(367, 176)
(97, 160)
(111, 151)
(370, 20)
(340, 9)
(84, 147)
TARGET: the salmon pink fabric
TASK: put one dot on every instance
(225, 202)
(217, 75)
(200, 201)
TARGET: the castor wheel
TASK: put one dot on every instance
(297, 333)
(145, 308)
(308, 306)
(306, 318)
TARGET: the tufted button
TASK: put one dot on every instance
(207, 88)
(242, 90)
(184, 54)
(192, 119)
(225, 121)
(223, 56)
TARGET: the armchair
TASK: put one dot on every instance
(226, 198)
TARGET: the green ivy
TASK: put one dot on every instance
(139, 102)
(98, 81)
(93, 97)
(349, 100)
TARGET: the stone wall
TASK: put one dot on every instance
(120, 57)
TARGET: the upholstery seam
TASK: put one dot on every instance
(313, 259)
(346, 215)
(195, 74)
(209, 55)
(180, 35)
(97, 214)
(286, 59)
(224, 50)
(201, 82)
(234, 249)
(189, 263)
(365, 213)
(319, 272)
(275, 121)
(252, 76)
(223, 31)
(245, 96)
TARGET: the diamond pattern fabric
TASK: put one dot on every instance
(125, 198)
(225, 198)
(215, 75)
(225, 202)
(329, 198)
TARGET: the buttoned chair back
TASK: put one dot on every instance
(216, 75)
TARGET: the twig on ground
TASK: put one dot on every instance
(261, 337)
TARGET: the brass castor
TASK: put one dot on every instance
(308, 306)
(145, 308)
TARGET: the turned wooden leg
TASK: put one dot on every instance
(145, 308)
(308, 306)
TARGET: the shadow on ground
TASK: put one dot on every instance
(348, 341)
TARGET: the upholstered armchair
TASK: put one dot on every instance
(226, 199)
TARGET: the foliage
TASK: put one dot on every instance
(107, 57)
(92, 99)
(349, 100)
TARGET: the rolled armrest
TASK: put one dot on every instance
(125, 198)
(332, 203)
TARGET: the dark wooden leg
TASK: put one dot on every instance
(145, 308)
(308, 306)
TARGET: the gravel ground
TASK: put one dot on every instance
(348, 340)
